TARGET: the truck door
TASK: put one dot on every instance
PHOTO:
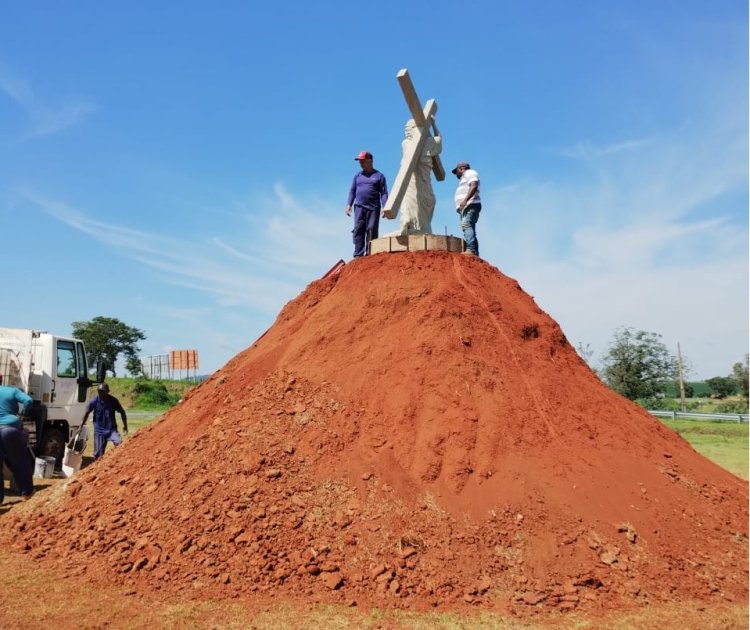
(83, 380)
(65, 393)
(68, 383)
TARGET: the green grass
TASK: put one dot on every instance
(139, 419)
(730, 404)
(725, 443)
(714, 405)
(148, 394)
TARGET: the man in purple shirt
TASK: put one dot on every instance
(104, 406)
(367, 195)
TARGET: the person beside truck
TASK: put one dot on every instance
(13, 448)
(104, 406)
(53, 370)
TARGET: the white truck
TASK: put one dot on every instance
(53, 370)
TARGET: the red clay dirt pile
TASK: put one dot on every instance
(413, 432)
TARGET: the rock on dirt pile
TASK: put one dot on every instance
(413, 432)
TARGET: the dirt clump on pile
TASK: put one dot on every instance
(413, 432)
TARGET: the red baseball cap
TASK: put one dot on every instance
(364, 155)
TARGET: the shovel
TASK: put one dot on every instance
(73, 456)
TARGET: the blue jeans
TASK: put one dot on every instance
(101, 439)
(13, 450)
(366, 222)
(469, 218)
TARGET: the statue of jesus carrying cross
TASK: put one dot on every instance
(412, 190)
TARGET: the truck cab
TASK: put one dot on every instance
(53, 370)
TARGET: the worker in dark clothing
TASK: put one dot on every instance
(104, 406)
(13, 447)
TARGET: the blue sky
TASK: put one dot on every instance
(184, 166)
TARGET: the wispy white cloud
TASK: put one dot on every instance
(704, 308)
(301, 233)
(223, 332)
(260, 261)
(641, 245)
(198, 265)
(45, 119)
(654, 237)
(586, 150)
(234, 252)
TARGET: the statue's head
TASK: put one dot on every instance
(410, 129)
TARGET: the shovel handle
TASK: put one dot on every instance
(74, 439)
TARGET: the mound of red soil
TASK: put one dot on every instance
(413, 432)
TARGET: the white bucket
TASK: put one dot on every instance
(49, 468)
(73, 456)
(40, 467)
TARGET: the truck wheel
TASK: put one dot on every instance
(53, 445)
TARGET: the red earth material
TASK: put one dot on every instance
(413, 432)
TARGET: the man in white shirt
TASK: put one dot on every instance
(468, 205)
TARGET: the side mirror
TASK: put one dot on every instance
(101, 372)
(85, 381)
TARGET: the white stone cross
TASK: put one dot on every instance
(425, 122)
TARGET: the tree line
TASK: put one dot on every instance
(638, 365)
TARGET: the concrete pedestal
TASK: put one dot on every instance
(415, 243)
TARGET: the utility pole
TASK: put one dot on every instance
(683, 406)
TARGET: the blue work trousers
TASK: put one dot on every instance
(366, 221)
(101, 439)
(15, 453)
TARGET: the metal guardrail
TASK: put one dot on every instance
(690, 415)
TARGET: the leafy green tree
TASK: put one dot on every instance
(638, 364)
(722, 386)
(134, 366)
(740, 375)
(106, 338)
